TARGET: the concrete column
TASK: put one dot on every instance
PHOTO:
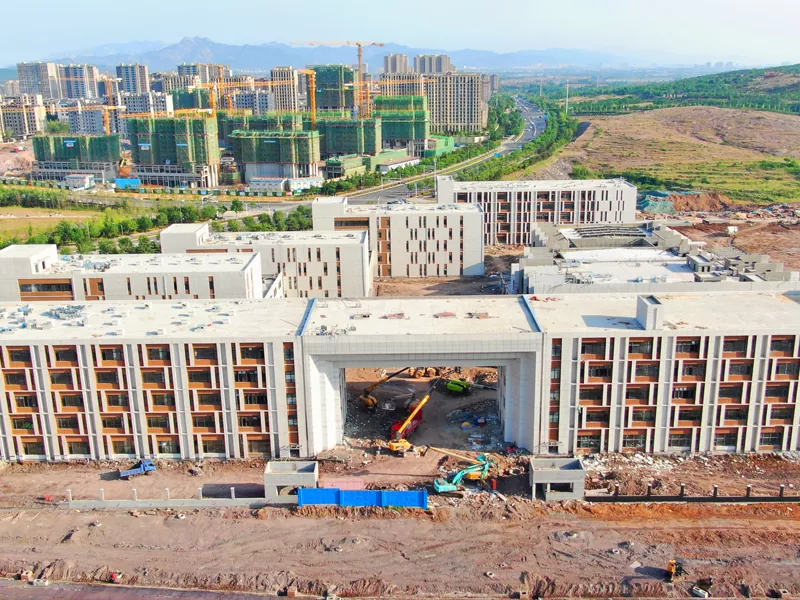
(133, 494)
(102, 495)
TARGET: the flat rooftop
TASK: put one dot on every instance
(157, 322)
(151, 263)
(401, 316)
(411, 208)
(742, 311)
(543, 185)
(289, 238)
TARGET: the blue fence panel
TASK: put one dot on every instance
(360, 498)
(316, 496)
(337, 497)
(412, 499)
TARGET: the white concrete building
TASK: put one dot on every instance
(396, 63)
(40, 78)
(326, 264)
(259, 101)
(134, 79)
(411, 240)
(31, 273)
(512, 208)
(285, 86)
(433, 63)
(24, 116)
(79, 81)
(10, 88)
(148, 102)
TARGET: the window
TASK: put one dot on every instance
(555, 395)
(163, 400)
(591, 442)
(646, 370)
(734, 346)
(112, 422)
(600, 371)
(67, 422)
(16, 379)
(291, 399)
(112, 354)
(690, 415)
(290, 377)
(26, 423)
(680, 440)
(250, 421)
(596, 416)
(556, 351)
(60, 377)
(292, 421)
(778, 391)
(554, 417)
(694, 370)
(253, 352)
(591, 393)
(555, 373)
(782, 413)
(66, 355)
(687, 347)
(117, 400)
(787, 368)
(726, 439)
(258, 446)
(33, 447)
(209, 399)
(595, 348)
(158, 422)
(633, 440)
(73, 400)
(645, 415)
(200, 376)
(781, 345)
(21, 355)
(636, 393)
(288, 354)
(683, 392)
(640, 348)
(45, 287)
(108, 377)
(259, 398)
(740, 369)
(205, 353)
(250, 376)
(27, 401)
(730, 391)
(168, 447)
(158, 353)
(736, 414)
(206, 421)
(154, 377)
(123, 447)
(214, 446)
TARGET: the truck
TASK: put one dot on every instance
(143, 467)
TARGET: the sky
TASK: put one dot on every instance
(745, 31)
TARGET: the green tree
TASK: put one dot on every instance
(279, 220)
(237, 206)
(56, 127)
(144, 223)
(144, 245)
(251, 224)
(107, 247)
(234, 226)
(208, 213)
(126, 246)
(217, 226)
(85, 246)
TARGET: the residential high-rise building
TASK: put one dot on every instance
(433, 63)
(172, 81)
(457, 102)
(285, 87)
(40, 78)
(10, 88)
(25, 116)
(108, 86)
(335, 87)
(79, 81)
(134, 79)
(208, 73)
(396, 63)
(259, 101)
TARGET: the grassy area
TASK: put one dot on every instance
(17, 221)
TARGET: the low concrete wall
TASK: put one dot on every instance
(168, 502)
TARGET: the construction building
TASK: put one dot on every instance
(57, 156)
(148, 102)
(171, 82)
(583, 373)
(208, 73)
(41, 78)
(79, 81)
(513, 208)
(24, 116)
(173, 152)
(83, 117)
(36, 273)
(228, 123)
(410, 240)
(191, 99)
(335, 88)
(396, 63)
(261, 102)
(134, 79)
(405, 122)
(324, 264)
(289, 154)
(285, 86)
(433, 63)
(342, 136)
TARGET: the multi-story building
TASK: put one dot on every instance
(411, 240)
(457, 102)
(396, 63)
(24, 116)
(208, 73)
(134, 79)
(324, 264)
(285, 86)
(10, 88)
(260, 102)
(33, 273)
(170, 82)
(79, 81)
(511, 209)
(494, 81)
(148, 102)
(40, 78)
(433, 63)
(109, 87)
(705, 372)
(83, 118)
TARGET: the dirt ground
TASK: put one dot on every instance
(780, 241)
(15, 163)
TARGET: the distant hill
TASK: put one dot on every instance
(263, 57)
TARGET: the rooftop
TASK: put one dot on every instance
(532, 184)
(314, 238)
(26, 251)
(151, 263)
(409, 207)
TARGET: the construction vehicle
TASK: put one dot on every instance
(144, 467)
(371, 401)
(402, 429)
(674, 570)
(479, 470)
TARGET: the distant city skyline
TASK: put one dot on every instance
(687, 30)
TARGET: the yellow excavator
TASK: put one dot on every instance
(371, 401)
(401, 429)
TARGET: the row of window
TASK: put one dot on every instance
(735, 345)
(680, 440)
(211, 446)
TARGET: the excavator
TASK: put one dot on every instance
(371, 401)
(403, 428)
(675, 569)
(479, 470)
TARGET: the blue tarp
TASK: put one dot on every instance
(127, 184)
(337, 497)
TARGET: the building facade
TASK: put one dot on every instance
(457, 102)
(312, 264)
(433, 63)
(79, 81)
(40, 78)
(285, 86)
(410, 240)
(24, 117)
(512, 208)
(260, 102)
(10, 88)
(396, 63)
(134, 79)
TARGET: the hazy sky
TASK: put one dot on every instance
(764, 31)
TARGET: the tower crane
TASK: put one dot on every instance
(363, 97)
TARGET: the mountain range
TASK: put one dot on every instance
(262, 57)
